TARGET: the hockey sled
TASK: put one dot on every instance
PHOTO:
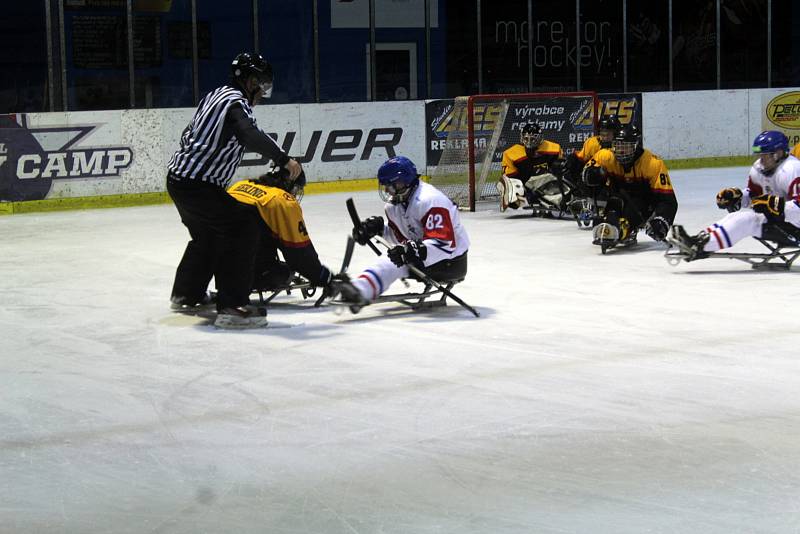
(298, 283)
(427, 298)
(780, 255)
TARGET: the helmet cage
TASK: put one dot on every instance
(624, 151)
(395, 193)
(530, 135)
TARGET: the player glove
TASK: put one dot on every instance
(770, 205)
(594, 176)
(558, 168)
(369, 227)
(657, 228)
(730, 199)
(410, 253)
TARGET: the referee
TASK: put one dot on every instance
(224, 232)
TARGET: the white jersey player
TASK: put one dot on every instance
(423, 224)
(767, 208)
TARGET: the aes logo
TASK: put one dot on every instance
(32, 158)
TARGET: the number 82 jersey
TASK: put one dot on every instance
(431, 217)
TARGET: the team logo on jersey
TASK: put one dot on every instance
(784, 110)
(32, 158)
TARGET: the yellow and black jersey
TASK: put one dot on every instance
(647, 179)
(285, 226)
(278, 209)
(521, 163)
(590, 147)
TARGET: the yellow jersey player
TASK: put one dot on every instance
(276, 198)
(606, 127)
(796, 151)
(531, 157)
(638, 190)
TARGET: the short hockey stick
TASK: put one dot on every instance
(351, 209)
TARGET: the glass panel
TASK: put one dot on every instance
(648, 46)
(96, 33)
(601, 45)
(225, 29)
(694, 45)
(785, 43)
(554, 39)
(458, 49)
(343, 50)
(743, 28)
(23, 84)
(286, 39)
(504, 35)
(162, 53)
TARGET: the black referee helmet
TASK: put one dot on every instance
(249, 64)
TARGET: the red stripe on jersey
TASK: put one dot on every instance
(755, 189)
(794, 190)
(397, 233)
(437, 225)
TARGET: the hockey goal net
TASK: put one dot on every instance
(481, 127)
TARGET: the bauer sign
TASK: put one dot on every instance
(565, 120)
(32, 159)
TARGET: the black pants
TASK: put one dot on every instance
(635, 209)
(781, 232)
(223, 243)
(448, 270)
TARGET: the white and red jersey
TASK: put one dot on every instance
(784, 182)
(431, 217)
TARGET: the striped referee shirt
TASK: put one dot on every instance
(212, 147)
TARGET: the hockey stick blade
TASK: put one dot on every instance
(348, 255)
(351, 209)
(423, 276)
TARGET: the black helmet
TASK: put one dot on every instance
(279, 177)
(609, 122)
(249, 64)
(606, 127)
(530, 135)
(627, 144)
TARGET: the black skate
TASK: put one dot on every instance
(346, 294)
(608, 235)
(690, 248)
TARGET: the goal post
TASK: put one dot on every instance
(483, 126)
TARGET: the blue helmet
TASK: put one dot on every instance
(770, 141)
(397, 177)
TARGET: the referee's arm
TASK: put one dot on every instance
(254, 140)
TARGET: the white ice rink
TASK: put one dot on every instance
(596, 394)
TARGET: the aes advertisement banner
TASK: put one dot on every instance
(566, 118)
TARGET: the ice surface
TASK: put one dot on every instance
(596, 394)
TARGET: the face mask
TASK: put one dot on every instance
(266, 89)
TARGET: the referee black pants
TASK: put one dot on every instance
(223, 243)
